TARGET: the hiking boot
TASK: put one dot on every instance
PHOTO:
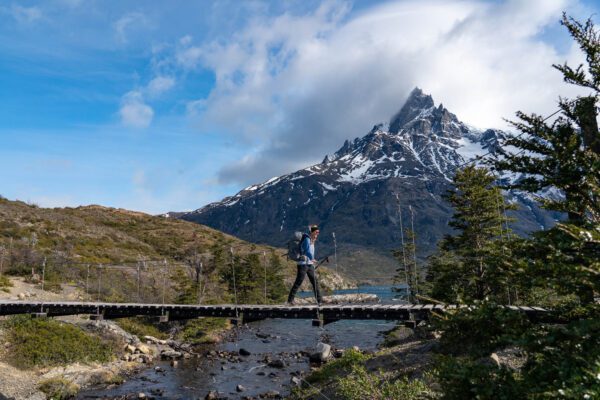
(290, 303)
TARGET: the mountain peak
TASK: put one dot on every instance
(417, 102)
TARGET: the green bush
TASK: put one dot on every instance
(471, 331)
(58, 388)
(463, 378)
(141, 326)
(5, 283)
(360, 384)
(41, 342)
(350, 359)
(199, 331)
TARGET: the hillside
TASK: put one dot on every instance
(117, 242)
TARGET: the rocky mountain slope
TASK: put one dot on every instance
(360, 191)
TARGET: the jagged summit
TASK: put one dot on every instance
(416, 103)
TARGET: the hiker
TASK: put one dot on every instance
(306, 265)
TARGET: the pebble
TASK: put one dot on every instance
(240, 388)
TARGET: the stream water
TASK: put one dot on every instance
(277, 340)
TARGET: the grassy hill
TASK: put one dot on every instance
(72, 239)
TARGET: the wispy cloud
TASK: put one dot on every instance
(128, 23)
(24, 15)
(134, 112)
(159, 85)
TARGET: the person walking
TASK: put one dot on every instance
(307, 265)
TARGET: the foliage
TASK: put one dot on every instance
(563, 360)
(469, 331)
(247, 276)
(350, 358)
(465, 378)
(201, 330)
(5, 283)
(474, 263)
(142, 326)
(40, 342)
(360, 384)
(58, 388)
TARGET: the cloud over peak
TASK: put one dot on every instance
(296, 86)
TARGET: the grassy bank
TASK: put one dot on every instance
(41, 342)
(389, 374)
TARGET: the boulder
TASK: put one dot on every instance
(321, 353)
(142, 348)
(170, 354)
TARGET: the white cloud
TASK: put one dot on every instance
(160, 85)
(134, 112)
(297, 86)
(127, 23)
(25, 15)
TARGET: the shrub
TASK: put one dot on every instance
(41, 342)
(58, 388)
(5, 283)
(201, 330)
(141, 327)
(346, 362)
(360, 384)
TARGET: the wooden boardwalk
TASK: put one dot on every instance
(243, 312)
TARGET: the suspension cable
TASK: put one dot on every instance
(234, 285)
(412, 228)
(408, 288)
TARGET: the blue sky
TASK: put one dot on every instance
(159, 106)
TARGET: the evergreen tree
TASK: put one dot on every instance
(473, 264)
(563, 360)
(276, 289)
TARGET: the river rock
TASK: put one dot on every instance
(174, 363)
(244, 352)
(154, 340)
(322, 353)
(170, 354)
(212, 395)
(240, 388)
(129, 348)
(271, 394)
(276, 364)
(142, 348)
(141, 395)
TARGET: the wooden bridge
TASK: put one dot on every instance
(244, 313)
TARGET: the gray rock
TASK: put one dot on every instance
(240, 388)
(276, 364)
(322, 353)
(244, 352)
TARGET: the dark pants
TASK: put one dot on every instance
(304, 270)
